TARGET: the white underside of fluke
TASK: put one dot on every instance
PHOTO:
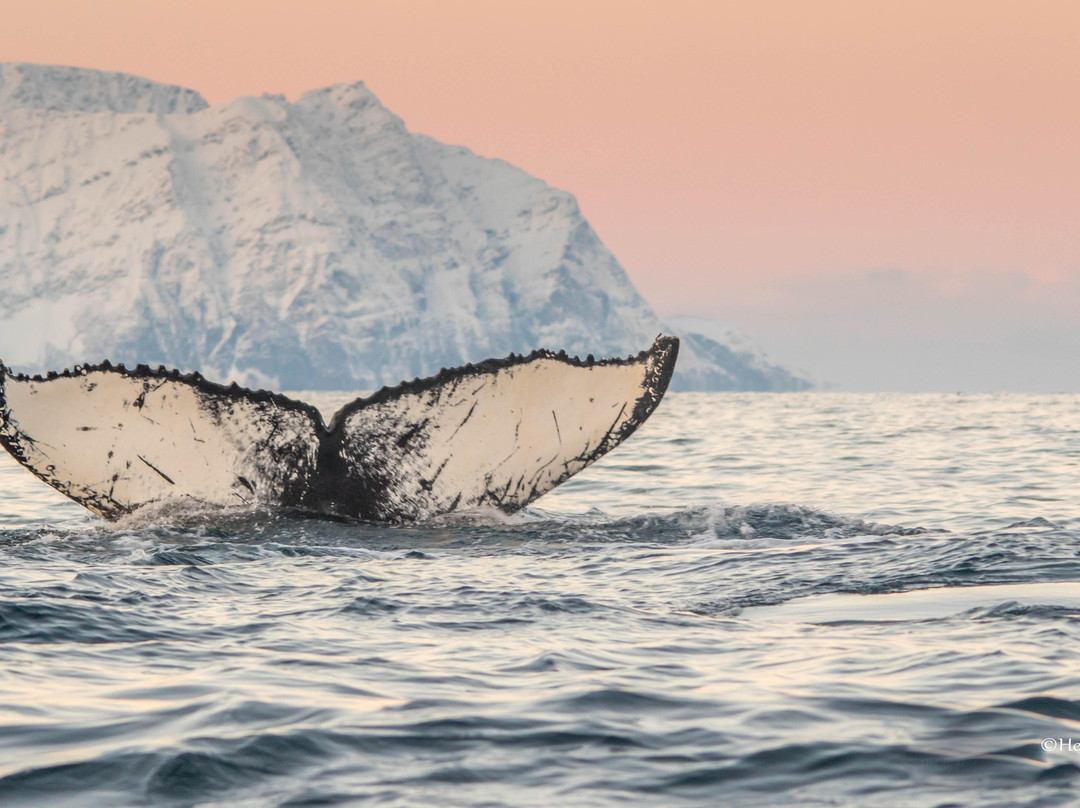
(499, 434)
(115, 442)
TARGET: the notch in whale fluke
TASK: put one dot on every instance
(499, 433)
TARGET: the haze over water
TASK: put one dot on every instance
(706, 616)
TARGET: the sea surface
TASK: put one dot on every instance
(791, 599)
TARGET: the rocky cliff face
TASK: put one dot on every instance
(312, 244)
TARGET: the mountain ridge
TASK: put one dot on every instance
(75, 89)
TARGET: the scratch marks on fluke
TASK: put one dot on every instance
(495, 433)
(164, 476)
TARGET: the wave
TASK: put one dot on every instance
(707, 526)
(506, 761)
(699, 526)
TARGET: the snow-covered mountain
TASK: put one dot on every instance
(306, 244)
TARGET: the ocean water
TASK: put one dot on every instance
(795, 599)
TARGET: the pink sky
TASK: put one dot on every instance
(719, 148)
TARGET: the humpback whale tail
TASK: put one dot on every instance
(499, 433)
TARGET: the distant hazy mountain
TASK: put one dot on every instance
(721, 357)
(313, 244)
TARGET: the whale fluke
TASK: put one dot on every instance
(499, 433)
